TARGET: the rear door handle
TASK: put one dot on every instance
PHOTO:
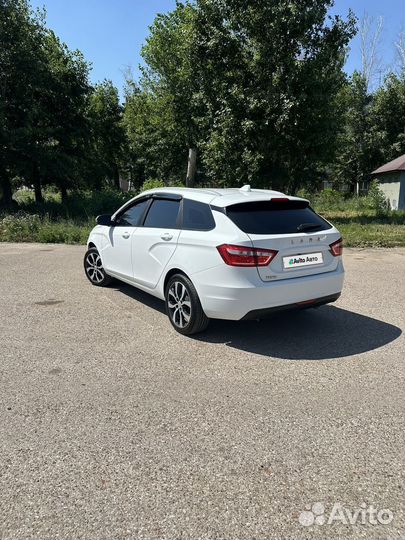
(166, 236)
(125, 234)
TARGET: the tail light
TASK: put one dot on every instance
(336, 248)
(246, 256)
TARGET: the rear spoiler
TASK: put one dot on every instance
(275, 203)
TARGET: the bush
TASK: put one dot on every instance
(79, 204)
(24, 196)
(19, 227)
(305, 194)
(152, 184)
(378, 200)
(329, 199)
(22, 227)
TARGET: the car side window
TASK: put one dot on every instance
(163, 214)
(197, 216)
(132, 215)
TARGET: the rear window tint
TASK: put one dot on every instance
(197, 216)
(266, 217)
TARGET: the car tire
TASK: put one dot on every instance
(183, 307)
(93, 268)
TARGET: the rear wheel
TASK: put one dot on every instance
(94, 269)
(183, 306)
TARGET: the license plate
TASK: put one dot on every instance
(306, 259)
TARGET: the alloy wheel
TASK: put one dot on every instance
(179, 304)
(94, 267)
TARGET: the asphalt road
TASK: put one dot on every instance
(113, 426)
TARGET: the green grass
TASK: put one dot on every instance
(34, 228)
(70, 223)
(54, 222)
(372, 235)
(369, 228)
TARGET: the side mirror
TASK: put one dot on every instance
(104, 219)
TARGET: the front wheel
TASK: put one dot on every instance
(183, 306)
(94, 269)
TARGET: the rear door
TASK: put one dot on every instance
(301, 237)
(153, 244)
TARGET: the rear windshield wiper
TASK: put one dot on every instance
(308, 227)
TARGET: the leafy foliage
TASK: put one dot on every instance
(251, 84)
(77, 205)
(23, 227)
(372, 131)
(156, 148)
(355, 141)
(269, 74)
(256, 87)
(54, 127)
(378, 200)
(387, 118)
(152, 184)
(107, 143)
(21, 63)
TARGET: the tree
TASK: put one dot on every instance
(156, 144)
(107, 135)
(63, 103)
(355, 143)
(44, 89)
(252, 85)
(169, 73)
(21, 69)
(372, 130)
(268, 75)
(387, 116)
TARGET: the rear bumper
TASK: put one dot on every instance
(261, 313)
(225, 294)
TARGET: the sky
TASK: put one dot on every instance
(110, 33)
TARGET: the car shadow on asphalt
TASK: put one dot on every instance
(324, 333)
(140, 296)
(312, 334)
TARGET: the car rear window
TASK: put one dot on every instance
(271, 217)
(197, 216)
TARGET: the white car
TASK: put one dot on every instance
(218, 253)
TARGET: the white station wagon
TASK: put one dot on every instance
(218, 253)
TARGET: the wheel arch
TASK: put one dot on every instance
(171, 273)
(92, 244)
(199, 320)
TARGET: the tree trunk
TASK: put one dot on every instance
(191, 167)
(116, 177)
(6, 199)
(63, 192)
(36, 180)
(7, 192)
